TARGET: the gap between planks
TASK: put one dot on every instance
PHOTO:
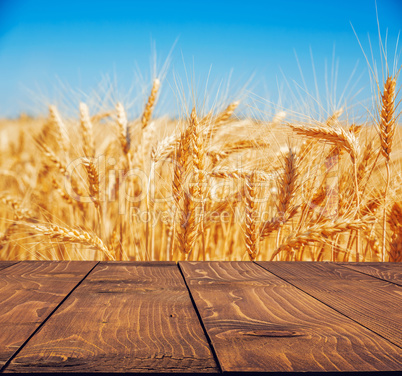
(142, 320)
(377, 270)
(361, 310)
(10, 359)
(259, 322)
(7, 264)
(200, 321)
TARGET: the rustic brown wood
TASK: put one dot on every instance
(372, 302)
(29, 292)
(258, 322)
(6, 264)
(125, 317)
(388, 271)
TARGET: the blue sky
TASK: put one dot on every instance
(52, 49)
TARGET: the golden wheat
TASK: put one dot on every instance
(208, 186)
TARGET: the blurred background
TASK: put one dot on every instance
(276, 53)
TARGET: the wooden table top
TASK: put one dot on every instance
(200, 317)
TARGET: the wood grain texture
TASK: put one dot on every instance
(259, 323)
(125, 317)
(372, 302)
(388, 271)
(29, 292)
(6, 264)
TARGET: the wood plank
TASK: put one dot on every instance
(6, 264)
(372, 302)
(259, 323)
(29, 292)
(388, 271)
(125, 317)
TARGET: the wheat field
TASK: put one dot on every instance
(212, 185)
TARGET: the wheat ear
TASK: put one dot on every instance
(66, 197)
(217, 154)
(93, 180)
(122, 124)
(387, 120)
(86, 129)
(199, 170)
(319, 232)
(219, 119)
(334, 135)
(227, 113)
(69, 235)
(278, 118)
(146, 116)
(198, 155)
(56, 162)
(387, 129)
(102, 115)
(251, 226)
(395, 224)
(287, 186)
(287, 183)
(52, 157)
(57, 122)
(19, 212)
(334, 117)
(190, 155)
(165, 148)
(337, 136)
